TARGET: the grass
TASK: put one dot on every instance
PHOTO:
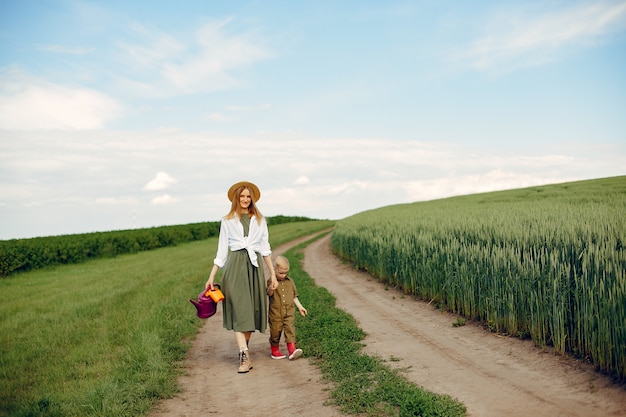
(97, 338)
(362, 384)
(104, 338)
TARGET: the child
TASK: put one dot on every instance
(281, 316)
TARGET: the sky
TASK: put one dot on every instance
(118, 115)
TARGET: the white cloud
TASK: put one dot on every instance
(479, 182)
(98, 176)
(64, 49)
(219, 117)
(302, 180)
(519, 38)
(162, 181)
(114, 201)
(244, 108)
(164, 200)
(32, 103)
(237, 108)
(168, 65)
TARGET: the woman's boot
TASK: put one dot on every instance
(245, 364)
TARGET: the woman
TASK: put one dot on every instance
(244, 231)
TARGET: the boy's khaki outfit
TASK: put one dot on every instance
(281, 318)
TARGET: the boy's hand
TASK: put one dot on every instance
(303, 311)
(274, 283)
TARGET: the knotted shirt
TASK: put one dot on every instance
(232, 237)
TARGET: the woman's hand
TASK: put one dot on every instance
(209, 283)
(274, 282)
(270, 267)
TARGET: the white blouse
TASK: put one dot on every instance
(231, 237)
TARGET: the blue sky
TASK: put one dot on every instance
(116, 114)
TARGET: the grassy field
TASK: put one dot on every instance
(546, 263)
(103, 337)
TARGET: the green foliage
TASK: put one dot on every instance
(30, 254)
(19, 255)
(362, 384)
(280, 219)
(92, 339)
(547, 262)
(459, 322)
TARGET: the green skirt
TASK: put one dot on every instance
(243, 285)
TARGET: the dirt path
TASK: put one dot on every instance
(211, 385)
(491, 375)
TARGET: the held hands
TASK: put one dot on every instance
(273, 283)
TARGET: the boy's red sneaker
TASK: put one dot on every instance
(294, 353)
(277, 354)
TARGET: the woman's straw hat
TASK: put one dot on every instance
(256, 194)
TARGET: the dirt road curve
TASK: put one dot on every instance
(493, 376)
